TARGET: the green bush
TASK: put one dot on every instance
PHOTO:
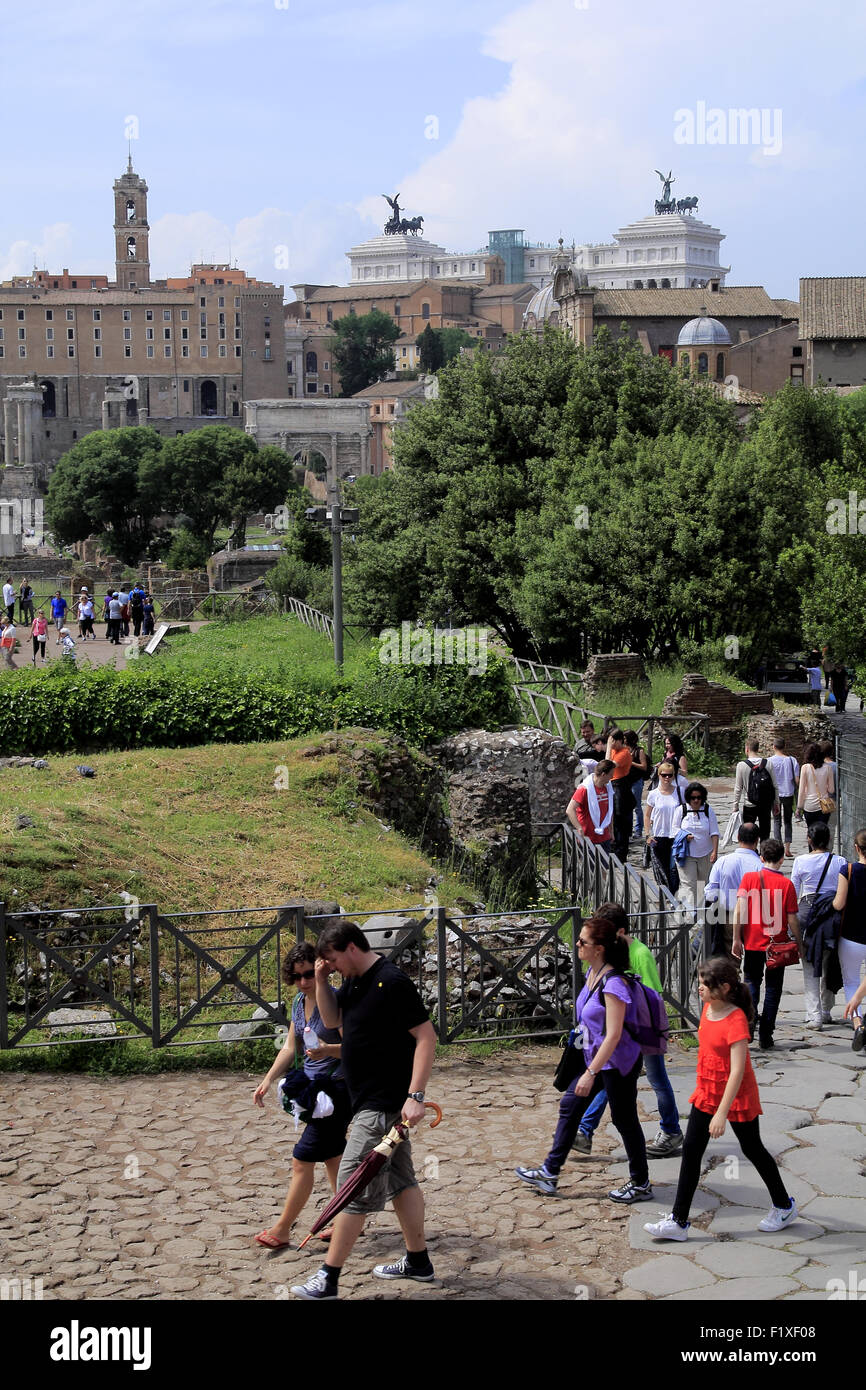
(187, 551)
(147, 707)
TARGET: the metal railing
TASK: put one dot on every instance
(558, 678)
(675, 932)
(562, 717)
(178, 978)
(311, 617)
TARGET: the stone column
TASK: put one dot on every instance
(8, 433)
(106, 416)
(142, 415)
(22, 433)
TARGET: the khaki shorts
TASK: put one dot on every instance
(365, 1131)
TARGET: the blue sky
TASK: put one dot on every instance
(265, 124)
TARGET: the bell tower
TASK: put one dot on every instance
(132, 254)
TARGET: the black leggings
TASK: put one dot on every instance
(694, 1146)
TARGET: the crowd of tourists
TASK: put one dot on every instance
(123, 611)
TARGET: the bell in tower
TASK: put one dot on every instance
(131, 229)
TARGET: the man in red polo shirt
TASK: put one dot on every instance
(594, 820)
(766, 911)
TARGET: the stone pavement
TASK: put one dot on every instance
(153, 1188)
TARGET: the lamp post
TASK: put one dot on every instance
(333, 518)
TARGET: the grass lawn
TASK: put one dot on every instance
(203, 828)
(282, 646)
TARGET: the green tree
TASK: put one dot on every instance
(363, 350)
(430, 353)
(452, 340)
(110, 483)
(216, 475)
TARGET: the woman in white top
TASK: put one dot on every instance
(698, 820)
(661, 807)
(817, 784)
(818, 867)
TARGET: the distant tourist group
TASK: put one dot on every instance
(122, 610)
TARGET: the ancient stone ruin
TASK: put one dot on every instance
(612, 669)
(725, 707)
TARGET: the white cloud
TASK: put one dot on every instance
(48, 253)
(312, 240)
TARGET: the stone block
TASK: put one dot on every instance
(742, 1290)
(94, 1023)
(668, 1274)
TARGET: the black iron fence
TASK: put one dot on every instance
(851, 791)
(182, 979)
(548, 710)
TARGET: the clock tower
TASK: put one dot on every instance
(131, 229)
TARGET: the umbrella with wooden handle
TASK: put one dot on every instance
(370, 1165)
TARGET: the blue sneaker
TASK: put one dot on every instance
(318, 1286)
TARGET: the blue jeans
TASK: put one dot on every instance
(637, 793)
(657, 1076)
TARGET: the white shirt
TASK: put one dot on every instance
(701, 826)
(663, 807)
(808, 868)
(786, 771)
(8, 594)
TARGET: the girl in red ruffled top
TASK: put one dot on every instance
(726, 1090)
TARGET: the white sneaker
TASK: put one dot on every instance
(777, 1217)
(667, 1229)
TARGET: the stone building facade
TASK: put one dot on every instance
(833, 330)
(175, 354)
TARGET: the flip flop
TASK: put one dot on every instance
(326, 1235)
(266, 1239)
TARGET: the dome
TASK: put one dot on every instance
(541, 307)
(704, 332)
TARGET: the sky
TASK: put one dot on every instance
(268, 130)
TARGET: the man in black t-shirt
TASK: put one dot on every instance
(387, 1055)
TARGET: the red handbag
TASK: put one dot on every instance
(780, 952)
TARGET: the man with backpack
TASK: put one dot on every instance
(756, 792)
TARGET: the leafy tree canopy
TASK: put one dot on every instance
(363, 352)
(109, 483)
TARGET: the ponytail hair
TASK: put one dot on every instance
(720, 971)
(603, 932)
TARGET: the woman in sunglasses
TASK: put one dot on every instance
(322, 1141)
(698, 820)
(661, 807)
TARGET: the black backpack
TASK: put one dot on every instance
(760, 789)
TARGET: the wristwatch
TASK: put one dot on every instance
(416, 1095)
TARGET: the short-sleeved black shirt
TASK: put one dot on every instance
(854, 921)
(378, 1008)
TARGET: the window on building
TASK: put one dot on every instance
(97, 334)
(326, 389)
(184, 315)
(202, 318)
(377, 410)
(184, 351)
(202, 352)
(70, 351)
(531, 263)
(720, 366)
(186, 386)
(237, 352)
(22, 350)
(148, 333)
(49, 333)
(797, 376)
(167, 350)
(49, 351)
(127, 351)
(22, 332)
(330, 316)
(237, 320)
(267, 320)
(166, 316)
(312, 362)
(312, 388)
(222, 319)
(222, 333)
(148, 314)
(20, 315)
(150, 349)
(290, 367)
(221, 302)
(127, 315)
(237, 301)
(166, 333)
(202, 333)
(237, 335)
(70, 315)
(224, 351)
(703, 363)
(49, 315)
(97, 315)
(202, 303)
(797, 352)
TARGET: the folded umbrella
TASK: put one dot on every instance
(366, 1170)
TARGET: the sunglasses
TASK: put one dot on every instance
(696, 798)
(305, 975)
(665, 776)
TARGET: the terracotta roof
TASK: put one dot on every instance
(128, 298)
(788, 308)
(524, 290)
(833, 306)
(390, 388)
(734, 301)
(385, 290)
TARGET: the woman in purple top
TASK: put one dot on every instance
(611, 1059)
